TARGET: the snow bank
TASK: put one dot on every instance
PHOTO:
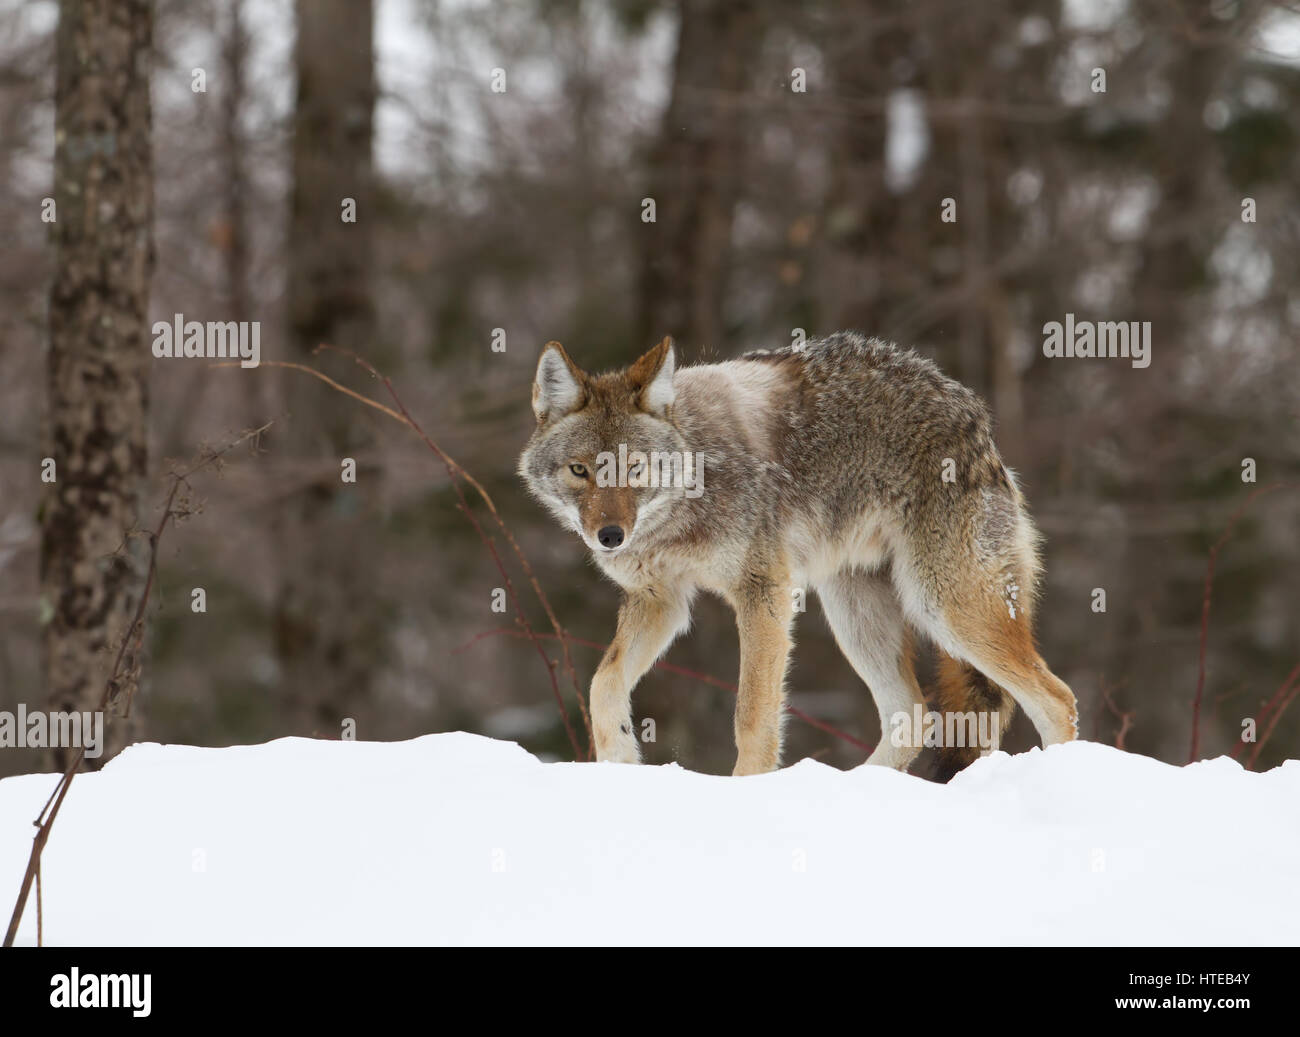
(458, 839)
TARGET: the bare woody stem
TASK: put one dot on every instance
(134, 636)
(1195, 749)
(457, 474)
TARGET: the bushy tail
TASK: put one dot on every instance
(963, 689)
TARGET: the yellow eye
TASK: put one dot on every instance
(580, 470)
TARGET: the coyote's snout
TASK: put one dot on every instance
(599, 471)
(848, 466)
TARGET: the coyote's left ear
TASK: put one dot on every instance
(652, 376)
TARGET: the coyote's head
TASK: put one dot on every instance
(603, 447)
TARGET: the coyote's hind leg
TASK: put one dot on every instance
(866, 618)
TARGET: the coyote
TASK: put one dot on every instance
(846, 465)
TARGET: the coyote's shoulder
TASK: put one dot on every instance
(847, 465)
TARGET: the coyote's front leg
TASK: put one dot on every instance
(647, 623)
(763, 615)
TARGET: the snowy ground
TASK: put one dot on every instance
(458, 839)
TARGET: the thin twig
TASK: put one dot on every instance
(1125, 717)
(1270, 714)
(455, 471)
(1194, 752)
(327, 380)
(134, 634)
(452, 469)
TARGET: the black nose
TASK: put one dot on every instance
(610, 536)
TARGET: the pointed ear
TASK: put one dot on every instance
(652, 375)
(558, 387)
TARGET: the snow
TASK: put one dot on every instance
(460, 839)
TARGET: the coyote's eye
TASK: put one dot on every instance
(580, 470)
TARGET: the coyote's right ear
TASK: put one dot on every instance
(557, 389)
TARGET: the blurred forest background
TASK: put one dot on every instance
(776, 209)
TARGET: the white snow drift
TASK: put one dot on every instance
(458, 839)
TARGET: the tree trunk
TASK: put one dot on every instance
(695, 175)
(328, 625)
(234, 57)
(329, 259)
(97, 366)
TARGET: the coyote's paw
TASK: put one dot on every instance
(898, 758)
(619, 748)
(754, 765)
